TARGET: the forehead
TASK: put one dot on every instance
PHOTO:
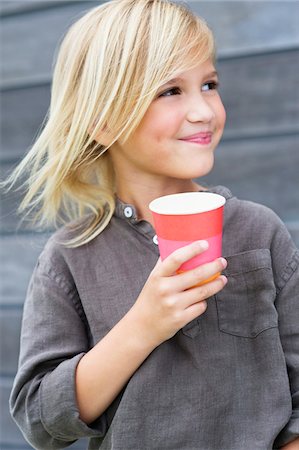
(206, 69)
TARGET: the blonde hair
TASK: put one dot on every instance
(110, 65)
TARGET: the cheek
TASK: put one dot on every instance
(163, 124)
(221, 114)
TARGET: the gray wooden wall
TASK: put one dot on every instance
(258, 159)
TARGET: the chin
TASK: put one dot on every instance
(193, 174)
(202, 169)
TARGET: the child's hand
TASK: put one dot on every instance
(294, 445)
(168, 301)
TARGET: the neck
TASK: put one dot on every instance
(140, 194)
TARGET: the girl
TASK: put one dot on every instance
(114, 345)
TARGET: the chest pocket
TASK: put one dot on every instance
(245, 307)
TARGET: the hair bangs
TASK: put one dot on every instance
(171, 40)
(189, 44)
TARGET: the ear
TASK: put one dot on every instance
(104, 136)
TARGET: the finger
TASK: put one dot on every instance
(191, 278)
(201, 293)
(172, 263)
(195, 310)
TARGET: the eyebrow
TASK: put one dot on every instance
(178, 79)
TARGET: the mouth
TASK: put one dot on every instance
(202, 138)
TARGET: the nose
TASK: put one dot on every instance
(200, 110)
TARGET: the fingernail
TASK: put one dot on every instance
(204, 245)
(224, 279)
(223, 262)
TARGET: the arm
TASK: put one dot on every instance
(286, 268)
(287, 305)
(294, 445)
(63, 388)
(53, 340)
(163, 307)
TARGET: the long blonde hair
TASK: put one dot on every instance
(109, 67)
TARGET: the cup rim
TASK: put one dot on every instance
(175, 204)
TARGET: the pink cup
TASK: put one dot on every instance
(181, 219)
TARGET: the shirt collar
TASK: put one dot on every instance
(125, 211)
(128, 211)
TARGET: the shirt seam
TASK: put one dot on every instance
(144, 234)
(243, 272)
(289, 270)
(71, 292)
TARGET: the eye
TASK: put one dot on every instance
(210, 86)
(170, 92)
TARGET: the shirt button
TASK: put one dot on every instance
(155, 239)
(128, 211)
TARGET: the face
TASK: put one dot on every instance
(177, 136)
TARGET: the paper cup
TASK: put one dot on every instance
(181, 219)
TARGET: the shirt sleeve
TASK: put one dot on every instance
(54, 337)
(287, 304)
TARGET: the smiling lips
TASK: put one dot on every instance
(202, 138)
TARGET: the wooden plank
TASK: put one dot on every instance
(261, 170)
(259, 95)
(23, 111)
(256, 99)
(19, 254)
(15, 7)
(245, 26)
(24, 54)
(10, 220)
(10, 326)
(239, 27)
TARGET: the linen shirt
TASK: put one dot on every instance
(229, 380)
